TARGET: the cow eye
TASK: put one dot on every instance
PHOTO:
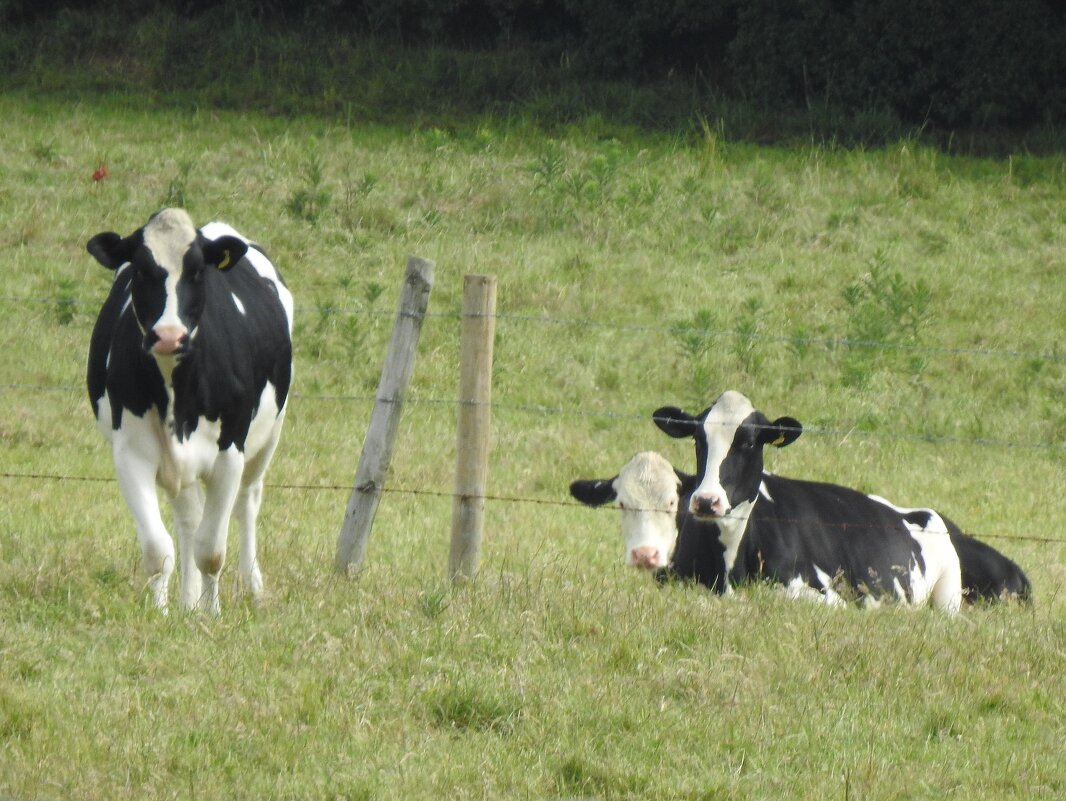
(146, 272)
(750, 439)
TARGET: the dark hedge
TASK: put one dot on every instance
(946, 63)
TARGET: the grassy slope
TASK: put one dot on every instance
(559, 674)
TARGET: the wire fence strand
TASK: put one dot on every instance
(836, 432)
(449, 495)
(1052, 353)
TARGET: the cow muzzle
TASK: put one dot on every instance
(646, 556)
(709, 505)
(168, 340)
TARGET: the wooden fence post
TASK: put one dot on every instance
(384, 420)
(474, 427)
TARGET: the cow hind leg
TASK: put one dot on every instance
(943, 574)
(947, 584)
(246, 510)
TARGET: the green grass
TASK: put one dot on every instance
(634, 269)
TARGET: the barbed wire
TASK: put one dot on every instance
(1050, 354)
(555, 411)
(443, 494)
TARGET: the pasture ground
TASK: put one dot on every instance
(634, 270)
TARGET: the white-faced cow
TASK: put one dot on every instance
(189, 370)
(822, 538)
(689, 549)
(658, 531)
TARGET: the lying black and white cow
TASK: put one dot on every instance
(680, 546)
(822, 537)
(188, 373)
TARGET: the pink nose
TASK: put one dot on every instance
(645, 556)
(171, 338)
(708, 506)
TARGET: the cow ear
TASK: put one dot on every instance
(686, 482)
(593, 491)
(224, 252)
(110, 249)
(781, 432)
(674, 422)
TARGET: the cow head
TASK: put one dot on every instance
(646, 491)
(170, 263)
(729, 437)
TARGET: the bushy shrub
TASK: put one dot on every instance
(946, 63)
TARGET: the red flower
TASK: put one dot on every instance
(100, 173)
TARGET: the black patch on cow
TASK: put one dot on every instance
(837, 530)
(919, 517)
(233, 355)
(133, 380)
(699, 555)
(987, 575)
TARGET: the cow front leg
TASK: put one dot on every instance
(221, 489)
(188, 512)
(135, 469)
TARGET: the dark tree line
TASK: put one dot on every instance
(952, 63)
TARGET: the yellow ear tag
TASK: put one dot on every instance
(222, 265)
(779, 441)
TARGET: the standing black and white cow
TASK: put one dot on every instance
(683, 547)
(188, 373)
(823, 538)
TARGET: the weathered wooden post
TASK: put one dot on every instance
(474, 427)
(384, 420)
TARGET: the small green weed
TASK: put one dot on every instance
(548, 167)
(886, 317)
(746, 344)
(176, 194)
(66, 302)
(710, 148)
(695, 339)
(372, 292)
(579, 778)
(46, 152)
(310, 201)
(801, 342)
(360, 212)
(434, 603)
(460, 706)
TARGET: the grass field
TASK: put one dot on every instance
(908, 306)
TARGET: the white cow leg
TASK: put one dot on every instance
(188, 511)
(210, 544)
(246, 511)
(136, 479)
